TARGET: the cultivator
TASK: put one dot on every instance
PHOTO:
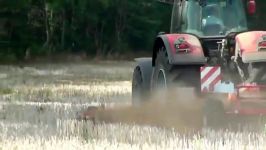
(243, 99)
(249, 99)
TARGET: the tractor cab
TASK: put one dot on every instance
(210, 18)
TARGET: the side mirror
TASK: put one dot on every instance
(251, 7)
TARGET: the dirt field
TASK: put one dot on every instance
(39, 104)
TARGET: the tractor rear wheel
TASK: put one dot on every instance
(167, 77)
(257, 73)
(254, 72)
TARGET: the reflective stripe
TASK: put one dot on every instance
(210, 76)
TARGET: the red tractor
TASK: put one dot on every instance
(210, 49)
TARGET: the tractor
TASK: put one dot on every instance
(211, 50)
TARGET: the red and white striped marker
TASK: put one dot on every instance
(210, 77)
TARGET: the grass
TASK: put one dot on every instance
(39, 103)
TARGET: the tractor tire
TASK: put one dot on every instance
(138, 89)
(214, 114)
(254, 72)
(166, 76)
(141, 81)
(257, 73)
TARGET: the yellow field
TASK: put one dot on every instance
(39, 104)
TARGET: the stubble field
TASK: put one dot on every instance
(39, 104)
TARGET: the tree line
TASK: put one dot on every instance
(96, 27)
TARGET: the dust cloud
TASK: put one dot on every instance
(180, 110)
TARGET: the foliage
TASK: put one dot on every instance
(101, 27)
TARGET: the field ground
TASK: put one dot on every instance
(39, 103)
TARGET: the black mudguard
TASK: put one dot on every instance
(145, 65)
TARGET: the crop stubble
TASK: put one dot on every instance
(38, 106)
